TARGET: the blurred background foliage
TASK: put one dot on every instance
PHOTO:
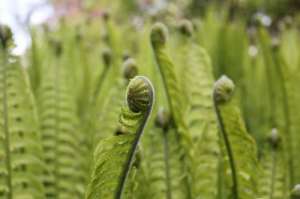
(254, 42)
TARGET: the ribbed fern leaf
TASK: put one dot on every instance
(240, 147)
(21, 154)
(114, 155)
(202, 122)
(273, 180)
(60, 136)
(162, 160)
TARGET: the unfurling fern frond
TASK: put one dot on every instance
(273, 181)
(174, 97)
(240, 147)
(21, 164)
(115, 155)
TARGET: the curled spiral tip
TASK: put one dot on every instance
(163, 118)
(223, 89)
(140, 94)
(186, 27)
(296, 192)
(130, 69)
(159, 34)
(274, 138)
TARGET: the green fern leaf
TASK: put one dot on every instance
(162, 159)
(273, 180)
(114, 155)
(21, 163)
(60, 137)
(240, 147)
(202, 123)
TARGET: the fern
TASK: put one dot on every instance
(202, 124)
(162, 159)
(273, 180)
(196, 78)
(114, 156)
(240, 147)
(60, 139)
(21, 165)
(175, 102)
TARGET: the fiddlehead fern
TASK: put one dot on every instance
(114, 155)
(240, 147)
(175, 100)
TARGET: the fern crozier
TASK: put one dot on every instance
(223, 89)
(159, 35)
(139, 94)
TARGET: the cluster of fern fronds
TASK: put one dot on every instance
(108, 110)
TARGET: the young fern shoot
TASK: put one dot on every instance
(175, 101)
(240, 147)
(114, 156)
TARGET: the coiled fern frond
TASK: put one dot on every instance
(240, 147)
(115, 155)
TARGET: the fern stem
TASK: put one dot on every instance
(217, 98)
(6, 131)
(138, 132)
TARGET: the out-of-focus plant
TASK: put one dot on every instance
(67, 132)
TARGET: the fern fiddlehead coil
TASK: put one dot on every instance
(223, 90)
